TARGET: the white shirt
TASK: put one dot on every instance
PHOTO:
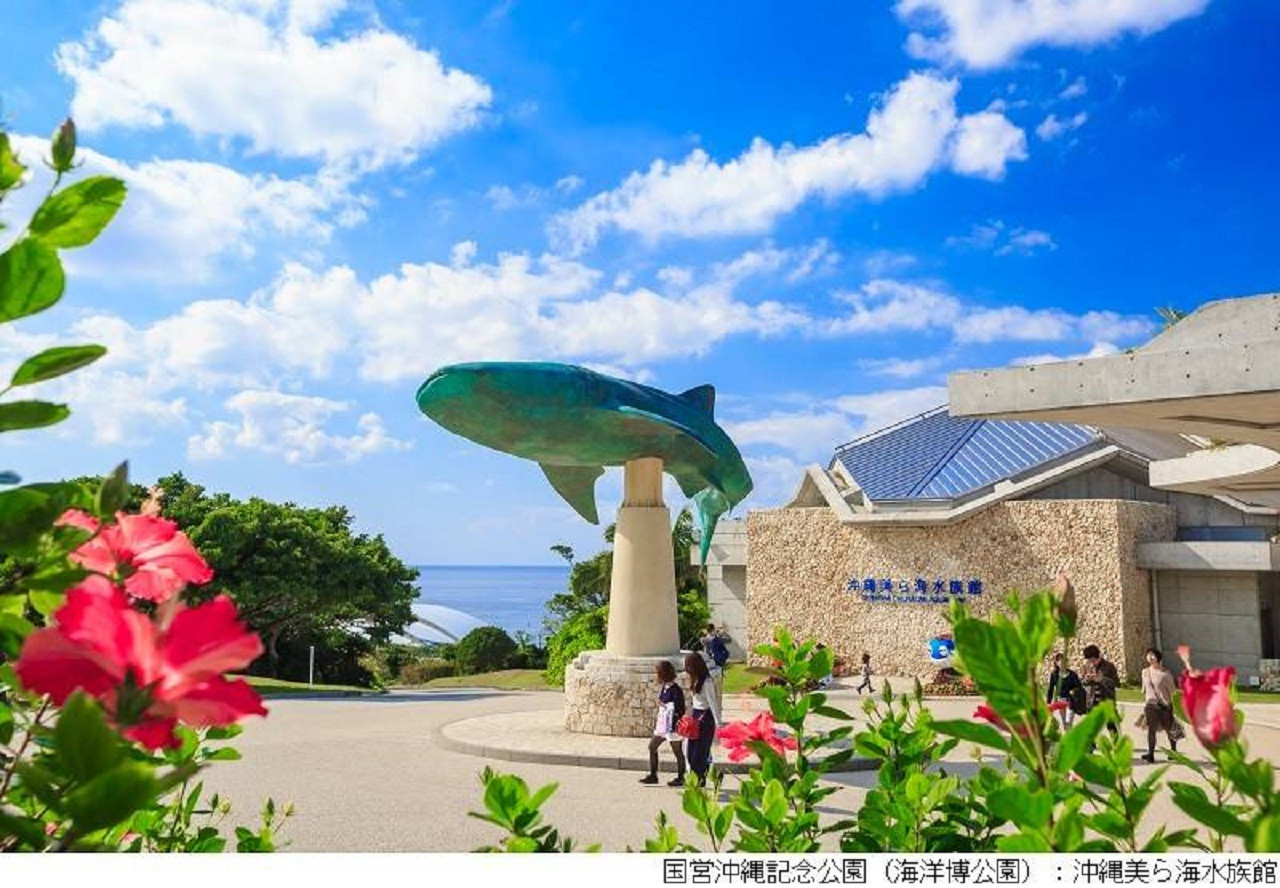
(708, 697)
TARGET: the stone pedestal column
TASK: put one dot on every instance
(615, 691)
(642, 592)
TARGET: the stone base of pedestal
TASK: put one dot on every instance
(615, 696)
(1269, 671)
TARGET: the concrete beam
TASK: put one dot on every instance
(1209, 556)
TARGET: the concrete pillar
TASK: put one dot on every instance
(642, 593)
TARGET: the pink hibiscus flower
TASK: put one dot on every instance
(159, 559)
(1206, 697)
(736, 735)
(148, 678)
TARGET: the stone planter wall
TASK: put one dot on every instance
(801, 560)
(616, 696)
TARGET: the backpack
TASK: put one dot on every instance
(719, 652)
(1077, 698)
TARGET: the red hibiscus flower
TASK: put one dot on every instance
(158, 558)
(736, 735)
(986, 713)
(148, 678)
(1206, 697)
(1057, 705)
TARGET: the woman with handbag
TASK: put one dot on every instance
(1157, 691)
(704, 715)
(670, 712)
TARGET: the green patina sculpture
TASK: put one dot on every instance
(573, 422)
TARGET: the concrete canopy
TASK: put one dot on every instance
(1214, 374)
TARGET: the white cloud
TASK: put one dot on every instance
(997, 237)
(1098, 350)
(884, 305)
(1052, 127)
(569, 184)
(813, 432)
(901, 368)
(990, 33)
(292, 426)
(260, 70)
(886, 262)
(915, 130)
(985, 144)
(1075, 90)
(1026, 241)
(182, 218)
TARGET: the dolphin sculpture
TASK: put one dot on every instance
(573, 422)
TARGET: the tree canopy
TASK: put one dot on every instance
(297, 574)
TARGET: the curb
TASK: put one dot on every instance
(620, 763)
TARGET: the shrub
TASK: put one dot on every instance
(484, 650)
(584, 632)
(424, 670)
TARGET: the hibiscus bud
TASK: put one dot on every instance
(64, 147)
(1206, 697)
(1065, 593)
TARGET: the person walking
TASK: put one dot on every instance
(705, 709)
(1065, 687)
(1157, 710)
(1100, 680)
(866, 675)
(670, 709)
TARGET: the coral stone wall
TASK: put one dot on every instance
(802, 559)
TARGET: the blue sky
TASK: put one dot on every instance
(821, 209)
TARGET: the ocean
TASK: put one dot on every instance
(458, 598)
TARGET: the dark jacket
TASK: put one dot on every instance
(1062, 682)
(673, 693)
(1100, 681)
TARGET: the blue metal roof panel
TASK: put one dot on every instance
(893, 464)
(937, 456)
(999, 450)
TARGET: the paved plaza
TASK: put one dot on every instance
(384, 773)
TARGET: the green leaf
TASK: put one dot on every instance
(1017, 805)
(12, 632)
(30, 832)
(984, 735)
(6, 724)
(75, 216)
(31, 279)
(114, 491)
(1196, 804)
(1023, 843)
(226, 754)
(11, 169)
(31, 415)
(774, 803)
(227, 732)
(84, 744)
(111, 797)
(1079, 739)
(54, 362)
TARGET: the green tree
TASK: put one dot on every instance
(578, 617)
(484, 650)
(298, 575)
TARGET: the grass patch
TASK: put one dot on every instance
(277, 687)
(503, 679)
(739, 678)
(1134, 695)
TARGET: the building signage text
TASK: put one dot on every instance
(921, 590)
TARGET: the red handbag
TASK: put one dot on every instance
(688, 727)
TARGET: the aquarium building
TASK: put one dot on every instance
(1161, 551)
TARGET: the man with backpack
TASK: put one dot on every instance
(714, 647)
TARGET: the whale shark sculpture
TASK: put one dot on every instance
(573, 422)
